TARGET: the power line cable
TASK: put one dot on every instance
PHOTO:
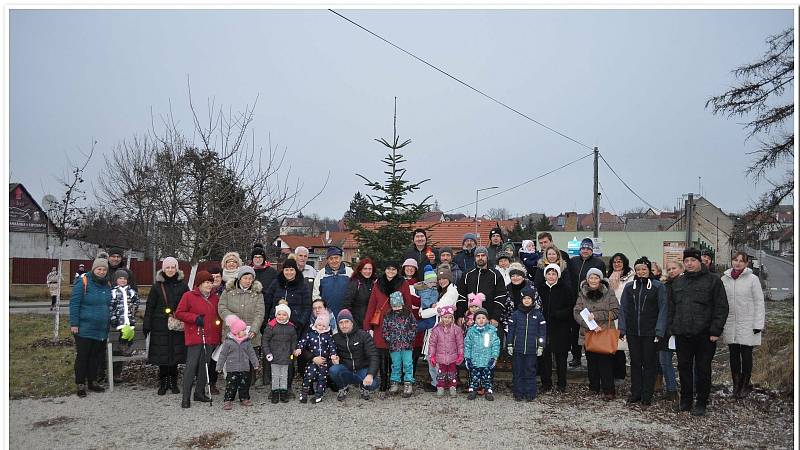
(626, 184)
(443, 72)
(616, 214)
(523, 183)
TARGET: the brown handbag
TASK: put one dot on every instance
(603, 341)
(376, 316)
(173, 324)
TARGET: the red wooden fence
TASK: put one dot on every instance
(32, 271)
(35, 270)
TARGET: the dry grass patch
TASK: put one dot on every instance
(218, 439)
(37, 369)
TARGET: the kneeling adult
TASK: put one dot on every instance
(357, 360)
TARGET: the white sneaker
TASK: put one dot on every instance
(453, 392)
(440, 392)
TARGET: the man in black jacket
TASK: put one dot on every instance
(486, 280)
(495, 245)
(357, 358)
(421, 252)
(698, 310)
(578, 266)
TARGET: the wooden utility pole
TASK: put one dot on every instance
(596, 204)
(689, 212)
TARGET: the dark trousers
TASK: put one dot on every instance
(167, 371)
(212, 372)
(524, 375)
(601, 372)
(545, 368)
(89, 354)
(385, 365)
(415, 355)
(237, 381)
(695, 353)
(574, 330)
(196, 357)
(741, 360)
(52, 301)
(643, 365)
(619, 365)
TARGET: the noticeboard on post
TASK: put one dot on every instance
(673, 251)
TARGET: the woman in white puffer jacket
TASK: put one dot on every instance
(745, 321)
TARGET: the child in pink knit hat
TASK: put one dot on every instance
(236, 356)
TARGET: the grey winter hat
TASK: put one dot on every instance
(481, 311)
(244, 270)
(481, 249)
(594, 271)
(120, 274)
(469, 236)
(446, 250)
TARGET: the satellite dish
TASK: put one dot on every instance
(48, 201)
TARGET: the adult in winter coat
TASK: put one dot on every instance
(290, 286)
(465, 259)
(673, 270)
(357, 358)
(420, 251)
(264, 272)
(52, 287)
(552, 255)
(230, 266)
(243, 298)
(619, 274)
(578, 268)
(202, 331)
(495, 246)
(446, 257)
(116, 261)
(698, 310)
(519, 281)
(88, 322)
(331, 282)
(599, 299)
(166, 349)
(643, 322)
(745, 321)
(359, 290)
(378, 307)
(486, 280)
(558, 302)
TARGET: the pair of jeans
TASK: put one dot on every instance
(524, 375)
(88, 356)
(601, 372)
(695, 354)
(402, 366)
(643, 366)
(667, 370)
(343, 377)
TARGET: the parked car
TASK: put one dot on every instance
(787, 254)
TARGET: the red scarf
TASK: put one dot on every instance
(735, 273)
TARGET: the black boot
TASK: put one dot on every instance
(162, 385)
(81, 390)
(201, 397)
(284, 396)
(275, 397)
(186, 403)
(173, 384)
(747, 388)
(96, 387)
(699, 409)
(685, 404)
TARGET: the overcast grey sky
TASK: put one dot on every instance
(633, 83)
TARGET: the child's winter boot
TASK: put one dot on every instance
(394, 388)
(275, 397)
(408, 389)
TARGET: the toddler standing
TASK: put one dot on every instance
(446, 350)
(319, 343)
(122, 310)
(278, 343)
(237, 352)
(481, 349)
(399, 331)
(525, 341)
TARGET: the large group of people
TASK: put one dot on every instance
(462, 312)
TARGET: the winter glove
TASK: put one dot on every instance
(539, 351)
(655, 341)
(510, 350)
(492, 363)
(469, 364)
(460, 358)
(269, 357)
(621, 335)
(128, 332)
(199, 321)
(433, 360)
(756, 331)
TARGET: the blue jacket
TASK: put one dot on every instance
(527, 331)
(643, 308)
(481, 345)
(427, 297)
(332, 287)
(89, 312)
(465, 259)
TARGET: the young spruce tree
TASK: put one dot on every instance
(389, 206)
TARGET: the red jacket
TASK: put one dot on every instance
(193, 304)
(414, 303)
(378, 301)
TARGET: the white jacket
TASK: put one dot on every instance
(745, 308)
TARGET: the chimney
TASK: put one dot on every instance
(327, 237)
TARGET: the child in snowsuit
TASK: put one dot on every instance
(236, 356)
(399, 331)
(317, 342)
(122, 309)
(278, 344)
(481, 349)
(446, 349)
(428, 295)
(526, 338)
(475, 303)
(529, 256)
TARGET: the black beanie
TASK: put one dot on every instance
(290, 263)
(691, 252)
(645, 261)
(258, 249)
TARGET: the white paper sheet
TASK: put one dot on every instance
(671, 343)
(590, 323)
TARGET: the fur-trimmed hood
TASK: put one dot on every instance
(604, 289)
(256, 287)
(387, 287)
(161, 278)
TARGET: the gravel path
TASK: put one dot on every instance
(134, 417)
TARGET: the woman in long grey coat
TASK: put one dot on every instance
(745, 321)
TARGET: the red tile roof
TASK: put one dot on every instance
(451, 234)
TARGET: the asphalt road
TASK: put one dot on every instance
(780, 275)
